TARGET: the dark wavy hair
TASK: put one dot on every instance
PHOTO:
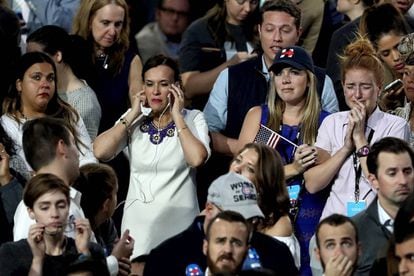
(56, 108)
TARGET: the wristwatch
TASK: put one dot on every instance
(363, 151)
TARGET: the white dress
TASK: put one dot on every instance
(162, 197)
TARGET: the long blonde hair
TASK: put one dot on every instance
(311, 110)
(83, 21)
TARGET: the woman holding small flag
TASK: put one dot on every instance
(288, 122)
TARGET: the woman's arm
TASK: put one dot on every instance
(109, 143)
(85, 147)
(198, 83)
(305, 157)
(318, 177)
(195, 152)
(134, 79)
(251, 126)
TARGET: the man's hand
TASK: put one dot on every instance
(339, 265)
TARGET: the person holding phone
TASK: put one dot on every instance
(47, 250)
(164, 148)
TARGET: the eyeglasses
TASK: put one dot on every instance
(171, 12)
(251, 2)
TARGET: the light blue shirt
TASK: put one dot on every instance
(215, 110)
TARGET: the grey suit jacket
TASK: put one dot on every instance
(151, 41)
(373, 237)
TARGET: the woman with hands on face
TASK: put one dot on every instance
(344, 138)
(293, 111)
(164, 148)
(47, 250)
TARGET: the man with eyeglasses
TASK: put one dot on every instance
(183, 253)
(164, 35)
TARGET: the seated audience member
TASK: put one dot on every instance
(47, 250)
(404, 237)
(391, 173)
(164, 35)
(98, 185)
(273, 197)
(226, 243)
(406, 48)
(385, 36)
(184, 251)
(49, 147)
(73, 67)
(34, 95)
(87, 267)
(344, 138)
(11, 184)
(223, 37)
(337, 245)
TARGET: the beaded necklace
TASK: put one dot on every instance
(157, 135)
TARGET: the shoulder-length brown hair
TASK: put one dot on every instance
(273, 197)
(82, 26)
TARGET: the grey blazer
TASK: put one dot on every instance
(373, 237)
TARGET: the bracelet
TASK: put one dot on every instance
(181, 129)
(126, 124)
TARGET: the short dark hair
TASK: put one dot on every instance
(229, 216)
(403, 223)
(41, 184)
(40, 138)
(158, 60)
(286, 6)
(96, 183)
(387, 144)
(335, 220)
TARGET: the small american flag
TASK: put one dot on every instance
(267, 136)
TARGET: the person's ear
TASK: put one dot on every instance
(106, 204)
(19, 85)
(31, 213)
(374, 181)
(205, 247)
(318, 254)
(58, 57)
(61, 147)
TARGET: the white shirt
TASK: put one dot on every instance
(384, 217)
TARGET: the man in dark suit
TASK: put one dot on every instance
(391, 174)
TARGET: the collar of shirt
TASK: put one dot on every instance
(384, 218)
(75, 195)
(265, 71)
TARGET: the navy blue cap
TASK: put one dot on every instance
(294, 56)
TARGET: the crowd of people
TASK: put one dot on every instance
(212, 139)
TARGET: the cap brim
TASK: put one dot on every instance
(279, 65)
(247, 211)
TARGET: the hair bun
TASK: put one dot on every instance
(358, 48)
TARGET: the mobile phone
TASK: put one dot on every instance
(146, 110)
(393, 86)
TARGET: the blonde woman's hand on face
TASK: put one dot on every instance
(82, 235)
(36, 240)
(305, 157)
(176, 101)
